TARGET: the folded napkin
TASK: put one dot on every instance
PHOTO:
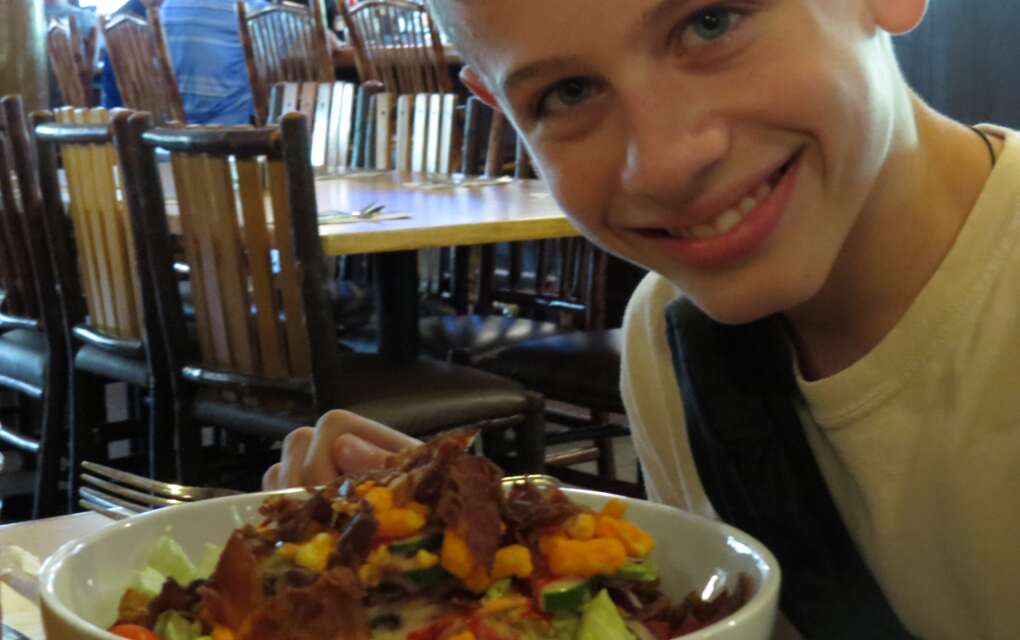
(19, 570)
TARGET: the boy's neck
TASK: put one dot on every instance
(922, 198)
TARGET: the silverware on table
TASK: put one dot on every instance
(118, 494)
(364, 213)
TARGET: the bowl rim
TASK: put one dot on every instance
(766, 592)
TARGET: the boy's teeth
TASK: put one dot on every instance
(704, 231)
(730, 219)
(727, 220)
(747, 204)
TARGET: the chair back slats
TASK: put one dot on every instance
(246, 284)
(341, 123)
(283, 43)
(259, 254)
(70, 58)
(99, 215)
(141, 64)
(188, 176)
(329, 108)
(222, 248)
(399, 44)
(383, 110)
(288, 280)
(319, 120)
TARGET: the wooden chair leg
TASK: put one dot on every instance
(530, 437)
(87, 411)
(162, 465)
(51, 445)
(189, 449)
(606, 463)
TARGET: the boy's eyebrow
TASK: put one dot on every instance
(649, 20)
(538, 68)
(660, 13)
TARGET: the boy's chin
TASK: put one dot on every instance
(745, 310)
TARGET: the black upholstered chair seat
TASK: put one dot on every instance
(479, 335)
(554, 365)
(417, 398)
(23, 357)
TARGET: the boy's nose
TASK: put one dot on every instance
(670, 151)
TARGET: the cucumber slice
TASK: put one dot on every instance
(641, 570)
(409, 546)
(567, 594)
(426, 578)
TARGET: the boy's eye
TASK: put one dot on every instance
(708, 25)
(564, 95)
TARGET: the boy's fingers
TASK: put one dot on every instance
(293, 455)
(354, 455)
(322, 466)
(341, 422)
(271, 478)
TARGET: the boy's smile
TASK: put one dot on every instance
(718, 230)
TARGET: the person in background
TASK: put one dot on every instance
(208, 60)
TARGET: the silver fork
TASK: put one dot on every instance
(118, 494)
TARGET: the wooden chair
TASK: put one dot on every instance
(283, 42)
(268, 356)
(397, 43)
(141, 64)
(106, 308)
(537, 316)
(33, 350)
(71, 54)
(329, 109)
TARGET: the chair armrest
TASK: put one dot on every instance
(8, 323)
(211, 378)
(119, 346)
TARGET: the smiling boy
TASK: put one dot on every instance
(767, 161)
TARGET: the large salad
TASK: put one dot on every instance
(436, 546)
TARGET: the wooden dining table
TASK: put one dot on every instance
(431, 216)
(437, 217)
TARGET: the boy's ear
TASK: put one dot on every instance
(473, 81)
(898, 16)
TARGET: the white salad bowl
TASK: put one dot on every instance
(82, 582)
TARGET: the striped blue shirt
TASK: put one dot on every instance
(208, 60)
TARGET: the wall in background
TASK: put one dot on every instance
(964, 60)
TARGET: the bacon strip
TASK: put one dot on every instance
(329, 609)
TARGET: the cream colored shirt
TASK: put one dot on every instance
(919, 441)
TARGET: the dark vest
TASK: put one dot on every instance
(760, 474)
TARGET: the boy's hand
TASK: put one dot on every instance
(341, 442)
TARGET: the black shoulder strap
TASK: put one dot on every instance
(761, 476)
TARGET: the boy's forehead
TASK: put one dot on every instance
(489, 33)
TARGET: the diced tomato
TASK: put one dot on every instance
(428, 633)
(659, 629)
(689, 625)
(134, 632)
(488, 630)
